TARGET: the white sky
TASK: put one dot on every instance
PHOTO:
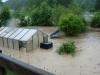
(4, 0)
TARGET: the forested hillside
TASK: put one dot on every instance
(89, 4)
(14, 3)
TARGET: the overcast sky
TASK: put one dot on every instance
(4, 0)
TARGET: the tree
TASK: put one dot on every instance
(97, 5)
(17, 10)
(11, 3)
(74, 8)
(41, 16)
(89, 4)
(4, 15)
(51, 2)
(83, 5)
(64, 2)
(35, 2)
(96, 20)
(57, 11)
(0, 1)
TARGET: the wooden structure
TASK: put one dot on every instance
(18, 67)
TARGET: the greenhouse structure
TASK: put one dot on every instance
(16, 38)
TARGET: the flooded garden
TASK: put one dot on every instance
(85, 61)
(28, 23)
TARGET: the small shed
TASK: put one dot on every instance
(16, 38)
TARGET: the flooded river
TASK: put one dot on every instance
(85, 62)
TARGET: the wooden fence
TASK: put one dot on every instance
(18, 67)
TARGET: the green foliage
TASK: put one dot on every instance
(96, 20)
(67, 47)
(83, 6)
(97, 5)
(89, 4)
(74, 8)
(35, 16)
(13, 4)
(4, 15)
(41, 16)
(71, 24)
(0, 2)
(21, 44)
(65, 2)
(35, 2)
(50, 2)
(57, 11)
(24, 20)
(8, 72)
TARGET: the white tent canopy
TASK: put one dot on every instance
(16, 38)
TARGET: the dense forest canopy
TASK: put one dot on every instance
(48, 12)
(23, 3)
(97, 5)
(89, 3)
(12, 3)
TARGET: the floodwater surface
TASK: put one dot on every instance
(85, 62)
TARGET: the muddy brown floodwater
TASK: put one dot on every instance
(85, 62)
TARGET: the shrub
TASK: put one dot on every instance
(41, 16)
(67, 47)
(4, 15)
(24, 20)
(21, 44)
(96, 20)
(71, 24)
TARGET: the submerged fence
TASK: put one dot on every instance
(18, 67)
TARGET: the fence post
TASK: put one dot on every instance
(2, 70)
(0, 51)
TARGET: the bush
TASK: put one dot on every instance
(24, 20)
(4, 15)
(67, 47)
(41, 16)
(96, 20)
(58, 10)
(21, 44)
(71, 24)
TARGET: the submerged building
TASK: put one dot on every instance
(16, 38)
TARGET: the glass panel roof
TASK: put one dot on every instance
(11, 32)
(28, 34)
(3, 30)
(3, 34)
(21, 34)
(16, 33)
(8, 30)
